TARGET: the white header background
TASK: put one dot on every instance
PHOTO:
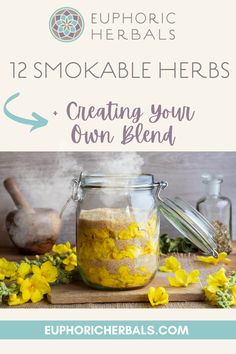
(205, 31)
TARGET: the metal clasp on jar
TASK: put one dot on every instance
(160, 186)
(77, 192)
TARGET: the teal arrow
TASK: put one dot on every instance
(39, 121)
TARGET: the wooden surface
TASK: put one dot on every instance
(187, 261)
(45, 178)
(79, 293)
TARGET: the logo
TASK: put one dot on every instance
(66, 24)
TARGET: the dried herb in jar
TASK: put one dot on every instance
(223, 237)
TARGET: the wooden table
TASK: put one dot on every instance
(11, 254)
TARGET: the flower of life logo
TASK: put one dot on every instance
(66, 24)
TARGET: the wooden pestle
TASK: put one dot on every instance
(18, 198)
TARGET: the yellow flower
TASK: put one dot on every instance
(62, 248)
(34, 288)
(47, 270)
(15, 299)
(218, 279)
(222, 257)
(171, 265)
(19, 280)
(158, 296)
(210, 293)
(7, 269)
(233, 295)
(70, 262)
(23, 270)
(184, 279)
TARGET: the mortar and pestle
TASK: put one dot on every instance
(33, 231)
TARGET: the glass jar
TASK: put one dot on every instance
(218, 210)
(118, 226)
(117, 231)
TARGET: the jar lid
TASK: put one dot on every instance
(189, 222)
(117, 181)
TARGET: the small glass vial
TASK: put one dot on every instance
(218, 210)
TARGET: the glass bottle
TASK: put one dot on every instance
(218, 210)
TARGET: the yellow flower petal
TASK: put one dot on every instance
(23, 269)
(70, 262)
(34, 288)
(47, 270)
(36, 269)
(15, 299)
(210, 293)
(174, 282)
(218, 279)
(19, 280)
(151, 294)
(193, 276)
(68, 245)
(181, 277)
(221, 258)
(7, 269)
(184, 279)
(233, 295)
(158, 296)
(62, 248)
(36, 296)
(171, 264)
(25, 289)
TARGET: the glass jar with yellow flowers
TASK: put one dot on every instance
(117, 228)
